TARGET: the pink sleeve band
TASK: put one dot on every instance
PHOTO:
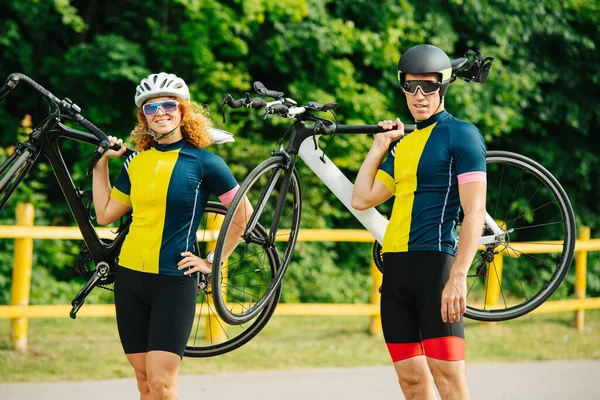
(477, 176)
(226, 198)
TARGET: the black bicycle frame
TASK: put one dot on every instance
(44, 140)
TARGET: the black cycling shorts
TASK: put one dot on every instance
(154, 312)
(411, 302)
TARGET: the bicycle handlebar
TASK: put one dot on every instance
(288, 108)
(66, 106)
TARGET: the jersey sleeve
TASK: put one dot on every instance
(469, 155)
(385, 174)
(122, 189)
(219, 179)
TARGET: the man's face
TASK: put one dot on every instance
(422, 106)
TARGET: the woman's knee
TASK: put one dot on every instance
(162, 383)
(162, 371)
(142, 382)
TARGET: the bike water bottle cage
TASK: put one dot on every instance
(427, 87)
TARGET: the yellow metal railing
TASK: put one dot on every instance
(24, 232)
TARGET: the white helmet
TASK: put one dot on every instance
(161, 84)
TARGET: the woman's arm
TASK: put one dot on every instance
(107, 209)
(240, 220)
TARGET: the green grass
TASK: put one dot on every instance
(89, 348)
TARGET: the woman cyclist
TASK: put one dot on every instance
(166, 185)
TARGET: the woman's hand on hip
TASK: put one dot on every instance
(192, 263)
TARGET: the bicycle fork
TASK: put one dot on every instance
(265, 195)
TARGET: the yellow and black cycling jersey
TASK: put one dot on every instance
(423, 171)
(167, 188)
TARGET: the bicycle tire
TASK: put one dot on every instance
(210, 336)
(531, 279)
(246, 287)
(559, 269)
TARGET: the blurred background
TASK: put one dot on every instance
(541, 99)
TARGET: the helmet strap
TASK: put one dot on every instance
(161, 137)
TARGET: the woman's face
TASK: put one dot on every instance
(165, 116)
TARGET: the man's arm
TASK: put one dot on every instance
(454, 296)
(369, 192)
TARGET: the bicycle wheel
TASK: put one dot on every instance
(524, 265)
(211, 336)
(13, 170)
(245, 286)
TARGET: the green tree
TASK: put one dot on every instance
(539, 98)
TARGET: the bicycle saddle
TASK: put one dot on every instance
(459, 63)
(219, 136)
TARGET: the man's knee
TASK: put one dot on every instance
(449, 376)
(414, 376)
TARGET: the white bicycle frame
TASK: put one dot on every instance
(371, 219)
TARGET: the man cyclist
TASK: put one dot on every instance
(433, 172)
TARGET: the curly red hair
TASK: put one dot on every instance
(195, 126)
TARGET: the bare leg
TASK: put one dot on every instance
(138, 362)
(415, 379)
(450, 378)
(163, 367)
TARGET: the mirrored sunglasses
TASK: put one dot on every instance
(427, 87)
(168, 106)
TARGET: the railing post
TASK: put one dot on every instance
(21, 277)
(375, 326)
(493, 281)
(580, 277)
(214, 325)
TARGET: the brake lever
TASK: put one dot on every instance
(226, 99)
(314, 135)
(100, 150)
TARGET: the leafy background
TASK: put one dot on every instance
(540, 98)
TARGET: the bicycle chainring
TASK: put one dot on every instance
(85, 267)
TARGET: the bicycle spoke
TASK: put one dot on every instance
(538, 241)
(211, 335)
(250, 281)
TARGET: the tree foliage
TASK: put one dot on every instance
(539, 99)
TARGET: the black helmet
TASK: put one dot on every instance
(426, 59)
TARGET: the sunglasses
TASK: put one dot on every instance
(168, 106)
(427, 87)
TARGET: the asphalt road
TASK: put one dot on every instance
(546, 380)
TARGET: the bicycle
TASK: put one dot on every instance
(98, 258)
(526, 206)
